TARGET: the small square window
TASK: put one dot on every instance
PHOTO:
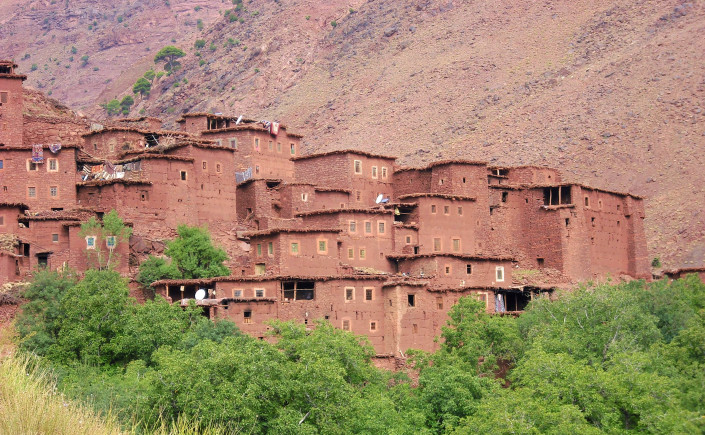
(218, 168)
(31, 166)
(411, 300)
(2, 164)
(271, 146)
(304, 197)
(433, 208)
(349, 293)
(32, 192)
(256, 169)
(358, 196)
(436, 244)
(373, 326)
(587, 202)
(55, 237)
(380, 228)
(408, 240)
(357, 164)
(368, 294)
(237, 293)
(259, 292)
(415, 328)
(294, 248)
(505, 195)
(54, 191)
(352, 226)
(363, 253)
(90, 242)
(446, 209)
(111, 242)
(374, 171)
(499, 271)
(3, 97)
(447, 270)
(346, 325)
(2, 221)
(260, 269)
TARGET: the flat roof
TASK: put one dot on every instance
(471, 257)
(289, 230)
(348, 151)
(345, 210)
(438, 195)
(263, 278)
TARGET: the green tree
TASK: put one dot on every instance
(111, 231)
(142, 86)
(156, 268)
(126, 103)
(112, 107)
(194, 255)
(149, 75)
(200, 43)
(169, 55)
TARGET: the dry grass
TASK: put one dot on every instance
(29, 404)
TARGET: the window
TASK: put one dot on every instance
(351, 253)
(499, 272)
(271, 146)
(374, 172)
(259, 249)
(505, 195)
(294, 248)
(3, 97)
(358, 196)
(293, 149)
(256, 144)
(363, 253)
(411, 300)
(446, 209)
(219, 142)
(587, 202)
(256, 169)
(53, 165)
(380, 227)
(368, 227)
(111, 242)
(373, 326)
(357, 164)
(31, 166)
(352, 225)
(218, 168)
(183, 175)
(540, 262)
(592, 221)
(440, 182)
(415, 328)
(460, 211)
(322, 246)
(349, 293)
(279, 147)
(368, 294)
(433, 208)
(2, 222)
(247, 317)
(53, 191)
(468, 269)
(456, 245)
(346, 325)
(270, 249)
(1, 164)
(436, 244)
(90, 242)
(447, 269)
(237, 293)
(144, 195)
(567, 222)
(233, 142)
(408, 240)
(384, 173)
(439, 302)
(32, 192)
(304, 197)
(259, 292)
(260, 269)
(599, 204)
(205, 166)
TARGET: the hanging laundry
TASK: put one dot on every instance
(109, 168)
(55, 147)
(119, 175)
(118, 168)
(274, 128)
(37, 153)
(97, 168)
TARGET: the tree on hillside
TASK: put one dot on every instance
(126, 103)
(142, 86)
(112, 107)
(149, 75)
(169, 54)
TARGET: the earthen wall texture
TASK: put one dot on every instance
(11, 128)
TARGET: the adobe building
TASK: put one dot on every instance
(347, 236)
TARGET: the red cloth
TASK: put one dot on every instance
(274, 128)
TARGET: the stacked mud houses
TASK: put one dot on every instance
(347, 236)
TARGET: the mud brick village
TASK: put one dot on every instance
(375, 248)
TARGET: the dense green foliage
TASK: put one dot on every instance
(192, 255)
(601, 359)
(112, 228)
(142, 86)
(169, 56)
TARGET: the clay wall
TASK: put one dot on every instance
(194, 124)
(326, 199)
(48, 130)
(215, 194)
(405, 239)
(407, 181)
(533, 175)
(8, 218)
(449, 225)
(11, 107)
(41, 186)
(289, 260)
(460, 179)
(448, 271)
(111, 144)
(9, 267)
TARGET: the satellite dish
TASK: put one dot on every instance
(200, 294)
(239, 120)
(379, 198)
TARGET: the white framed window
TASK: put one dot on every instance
(90, 242)
(374, 172)
(499, 273)
(349, 293)
(357, 164)
(304, 197)
(259, 292)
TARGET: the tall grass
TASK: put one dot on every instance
(29, 404)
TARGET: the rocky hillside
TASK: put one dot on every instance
(612, 92)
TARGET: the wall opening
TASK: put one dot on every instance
(298, 290)
(411, 299)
